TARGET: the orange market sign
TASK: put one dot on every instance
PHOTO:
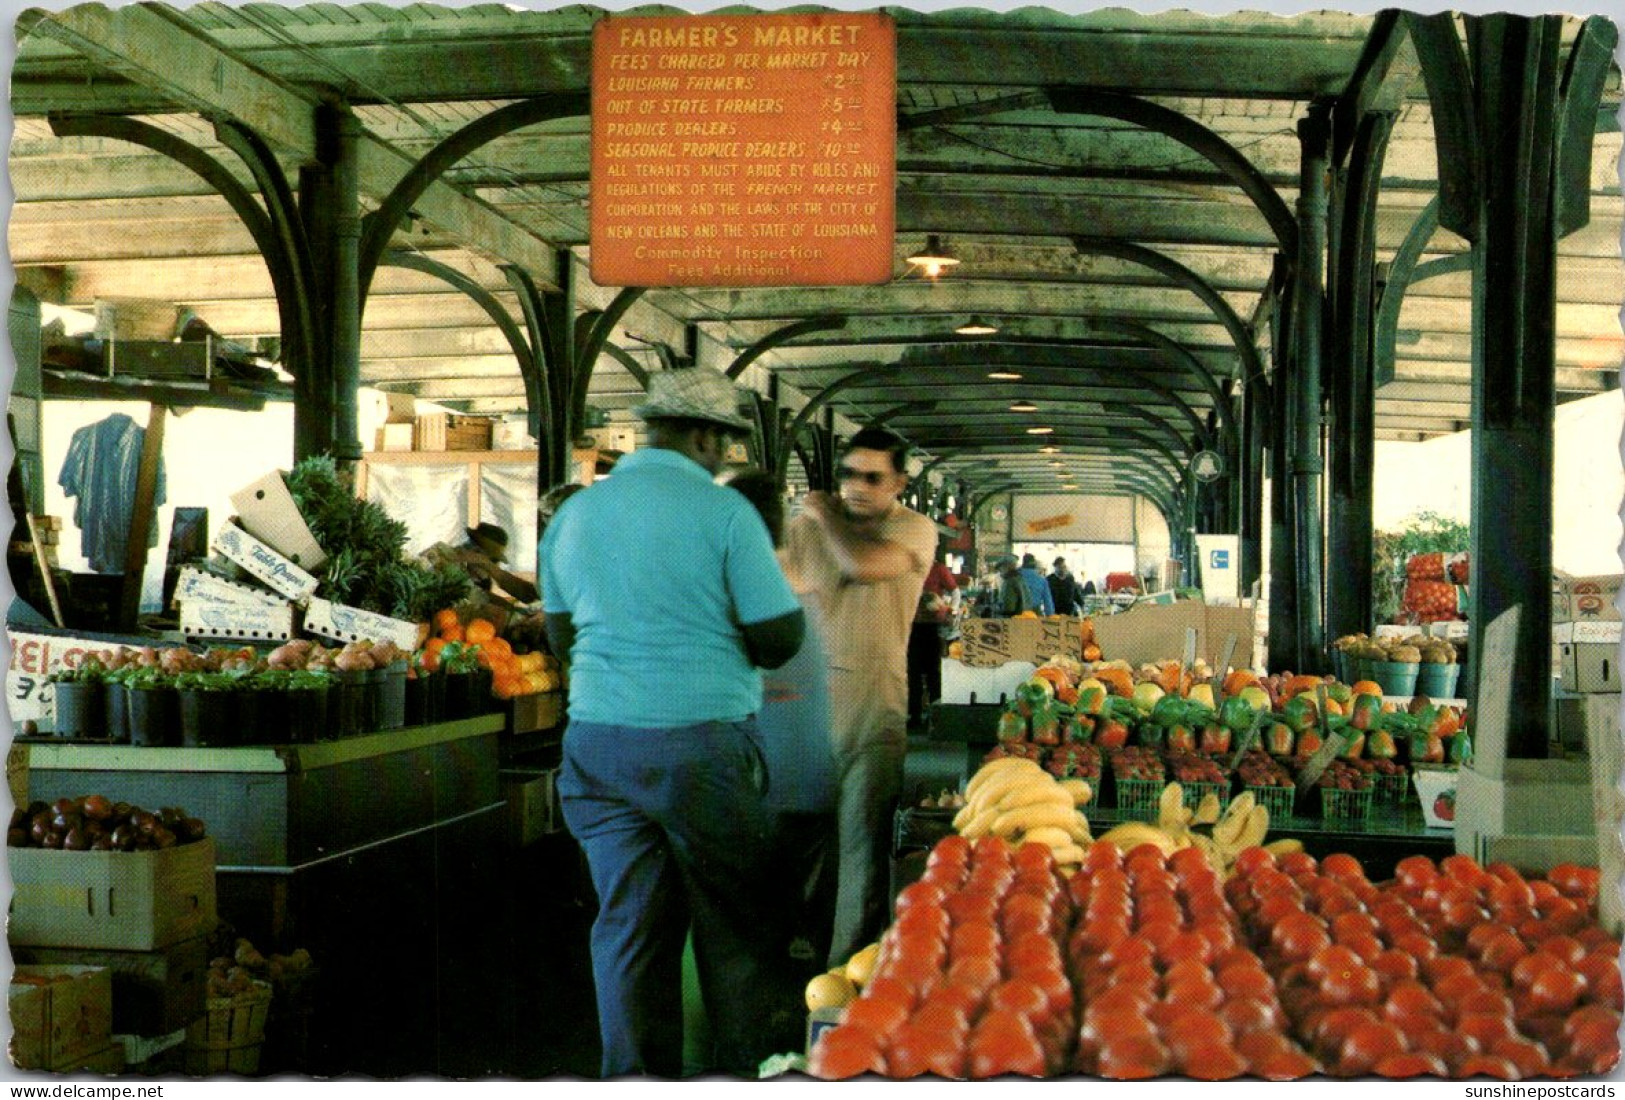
(743, 150)
(1049, 523)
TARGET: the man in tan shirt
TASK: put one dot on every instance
(861, 557)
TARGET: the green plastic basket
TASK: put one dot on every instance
(1340, 805)
(1277, 800)
(1139, 798)
(1195, 792)
(1393, 789)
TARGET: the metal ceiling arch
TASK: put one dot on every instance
(779, 337)
(1183, 276)
(380, 225)
(525, 357)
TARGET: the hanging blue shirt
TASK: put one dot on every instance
(657, 567)
(104, 460)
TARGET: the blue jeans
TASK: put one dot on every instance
(676, 833)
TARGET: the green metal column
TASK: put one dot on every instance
(1353, 390)
(1283, 621)
(346, 288)
(1307, 466)
(1250, 473)
(1514, 355)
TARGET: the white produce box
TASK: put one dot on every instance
(264, 563)
(196, 585)
(962, 684)
(351, 624)
(238, 622)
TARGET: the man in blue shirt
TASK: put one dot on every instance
(663, 593)
(1038, 592)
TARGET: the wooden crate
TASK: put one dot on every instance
(59, 1015)
(229, 1036)
(450, 432)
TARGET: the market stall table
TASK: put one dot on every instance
(380, 853)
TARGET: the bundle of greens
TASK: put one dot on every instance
(367, 565)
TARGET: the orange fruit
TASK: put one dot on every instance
(496, 645)
(446, 619)
(453, 634)
(480, 631)
(1367, 687)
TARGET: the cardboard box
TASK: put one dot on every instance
(264, 563)
(401, 408)
(127, 901)
(1430, 784)
(237, 622)
(988, 643)
(1586, 656)
(1585, 599)
(109, 1061)
(266, 510)
(154, 992)
(351, 624)
(529, 713)
(395, 437)
(60, 1015)
(1148, 634)
(195, 584)
(533, 804)
(963, 685)
(442, 431)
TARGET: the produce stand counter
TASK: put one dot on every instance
(1381, 841)
(1391, 831)
(381, 854)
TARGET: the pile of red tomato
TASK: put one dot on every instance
(1139, 966)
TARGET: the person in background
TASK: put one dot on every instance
(1089, 588)
(795, 725)
(862, 557)
(1010, 594)
(483, 556)
(1063, 590)
(938, 601)
(664, 597)
(1037, 587)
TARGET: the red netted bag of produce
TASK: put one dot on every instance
(1432, 601)
(1425, 567)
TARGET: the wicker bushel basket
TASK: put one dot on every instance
(228, 1037)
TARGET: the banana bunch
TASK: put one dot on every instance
(1243, 824)
(1014, 798)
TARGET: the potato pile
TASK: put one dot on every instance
(246, 970)
(1415, 649)
(362, 656)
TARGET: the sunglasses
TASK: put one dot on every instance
(871, 478)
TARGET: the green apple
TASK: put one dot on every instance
(1257, 697)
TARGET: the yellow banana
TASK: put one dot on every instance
(1051, 836)
(999, 787)
(1285, 846)
(980, 824)
(1036, 793)
(1001, 766)
(1207, 811)
(1068, 855)
(1131, 834)
(1079, 789)
(1032, 817)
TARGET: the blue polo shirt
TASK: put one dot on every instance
(656, 567)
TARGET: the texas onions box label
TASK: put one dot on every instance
(743, 150)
